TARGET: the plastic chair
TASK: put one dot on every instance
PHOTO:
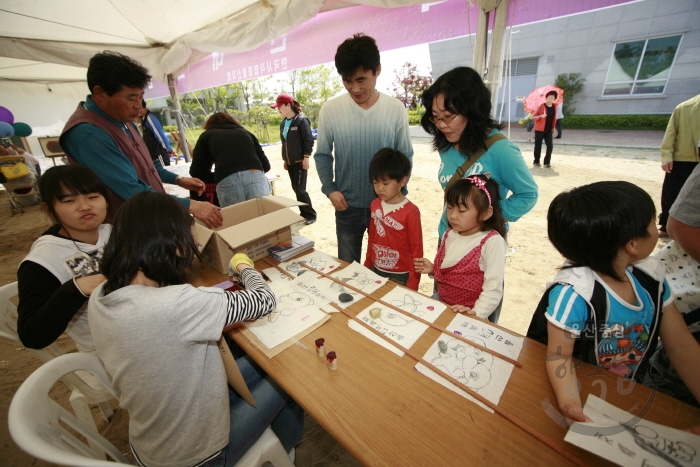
(38, 423)
(84, 391)
(267, 448)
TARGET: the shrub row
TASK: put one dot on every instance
(616, 122)
(414, 116)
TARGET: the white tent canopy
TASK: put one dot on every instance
(45, 45)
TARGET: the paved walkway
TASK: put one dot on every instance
(603, 138)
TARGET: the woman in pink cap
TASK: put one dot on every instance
(297, 143)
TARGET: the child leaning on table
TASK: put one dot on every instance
(469, 265)
(609, 302)
(157, 336)
(395, 233)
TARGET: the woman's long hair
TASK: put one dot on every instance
(152, 233)
(466, 94)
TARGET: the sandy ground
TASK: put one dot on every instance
(531, 261)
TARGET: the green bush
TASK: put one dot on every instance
(414, 116)
(616, 122)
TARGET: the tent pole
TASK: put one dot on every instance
(178, 117)
(482, 35)
(496, 60)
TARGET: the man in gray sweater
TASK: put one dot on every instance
(352, 128)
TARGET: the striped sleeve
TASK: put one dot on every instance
(566, 309)
(256, 301)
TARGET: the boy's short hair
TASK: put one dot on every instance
(390, 164)
(590, 223)
(358, 51)
(552, 93)
(112, 71)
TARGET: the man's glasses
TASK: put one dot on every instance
(446, 120)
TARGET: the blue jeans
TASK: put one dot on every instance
(274, 408)
(350, 227)
(242, 186)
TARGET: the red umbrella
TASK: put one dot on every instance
(537, 98)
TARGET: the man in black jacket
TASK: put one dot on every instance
(297, 143)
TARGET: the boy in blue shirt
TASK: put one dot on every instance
(610, 301)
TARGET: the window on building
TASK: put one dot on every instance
(641, 67)
(521, 67)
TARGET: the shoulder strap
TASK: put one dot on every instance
(586, 346)
(538, 325)
(473, 157)
(653, 287)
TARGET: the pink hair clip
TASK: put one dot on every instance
(480, 183)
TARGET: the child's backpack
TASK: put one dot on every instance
(586, 345)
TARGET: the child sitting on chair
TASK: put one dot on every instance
(610, 301)
(157, 337)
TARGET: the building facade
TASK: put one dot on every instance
(640, 57)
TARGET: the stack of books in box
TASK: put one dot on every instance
(286, 250)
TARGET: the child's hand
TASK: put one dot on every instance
(422, 265)
(573, 413)
(463, 309)
(693, 429)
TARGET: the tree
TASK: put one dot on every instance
(312, 87)
(572, 84)
(409, 85)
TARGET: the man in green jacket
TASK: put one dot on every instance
(679, 153)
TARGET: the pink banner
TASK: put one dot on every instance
(316, 41)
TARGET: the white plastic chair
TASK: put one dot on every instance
(84, 391)
(267, 448)
(37, 423)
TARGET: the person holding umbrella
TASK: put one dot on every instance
(545, 118)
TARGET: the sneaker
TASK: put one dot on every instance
(536, 164)
(547, 166)
(309, 221)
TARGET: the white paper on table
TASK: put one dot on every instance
(627, 440)
(480, 371)
(354, 325)
(276, 275)
(310, 284)
(356, 276)
(316, 259)
(295, 312)
(414, 303)
(359, 277)
(398, 327)
(478, 331)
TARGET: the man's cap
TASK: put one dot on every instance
(283, 99)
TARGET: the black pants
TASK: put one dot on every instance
(298, 175)
(558, 126)
(673, 182)
(547, 136)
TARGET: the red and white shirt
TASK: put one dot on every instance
(395, 239)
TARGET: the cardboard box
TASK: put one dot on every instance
(250, 227)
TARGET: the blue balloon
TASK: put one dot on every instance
(6, 130)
